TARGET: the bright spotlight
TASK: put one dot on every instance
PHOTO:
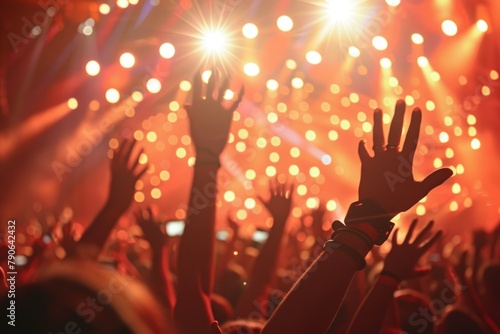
(214, 41)
(339, 10)
(127, 60)
(92, 68)
(385, 62)
(250, 30)
(284, 23)
(482, 25)
(167, 50)
(422, 61)
(449, 28)
(379, 43)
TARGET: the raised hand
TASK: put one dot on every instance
(150, 228)
(124, 174)
(209, 120)
(402, 258)
(387, 177)
(280, 203)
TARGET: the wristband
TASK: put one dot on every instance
(354, 231)
(368, 211)
(330, 245)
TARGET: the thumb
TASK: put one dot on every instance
(435, 179)
(362, 152)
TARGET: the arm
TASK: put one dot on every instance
(159, 278)
(279, 205)
(384, 182)
(398, 265)
(124, 174)
(230, 246)
(209, 126)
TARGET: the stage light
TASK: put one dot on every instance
(214, 41)
(313, 57)
(417, 38)
(127, 60)
(284, 23)
(354, 51)
(72, 103)
(251, 69)
(385, 62)
(422, 61)
(297, 83)
(122, 3)
(379, 43)
(104, 8)
(393, 3)
(444, 137)
(185, 85)
(449, 28)
(291, 64)
(167, 50)
(250, 30)
(482, 25)
(112, 95)
(92, 68)
(272, 84)
(339, 10)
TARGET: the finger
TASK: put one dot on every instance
(262, 200)
(395, 237)
(428, 244)
(136, 160)
(425, 231)
(238, 101)
(362, 152)
(421, 272)
(378, 131)
(197, 84)
(127, 152)
(223, 88)
(411, 139)
(211, 84)
(141, 172)
(434, 179)
(150, 212)
(410, 231)
(119, 151)
(290, 190)
(397, 124)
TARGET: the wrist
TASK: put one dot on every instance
(390, 274)
(370, 218)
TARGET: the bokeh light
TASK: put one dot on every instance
(250, 30)
(284, 23)
(449, 28)
(93, 68)
(127, 60)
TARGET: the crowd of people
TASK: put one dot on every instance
(305, 281)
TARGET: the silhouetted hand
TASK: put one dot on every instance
(150, 228)
(402, 258)
(124, 174)
(280, 203)
(387, 177)
(480, 239)
(209, 120)
(233, 225)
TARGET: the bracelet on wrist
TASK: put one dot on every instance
(337, 225)
(330, 245)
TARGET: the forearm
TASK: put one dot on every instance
(370, 315)
(161, 279)
(319, 291)
(100, 228)
(261, 272)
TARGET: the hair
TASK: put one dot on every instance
(459, 320)
(409, 302)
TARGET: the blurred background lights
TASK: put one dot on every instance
(297, 83)
(393, 3)
(104, 8)
(122, 3)
(354, 51)
(92, 68)
(339, 10)
(127, 60)
(385, 62)
(449, 28)
(250, 30)
(251, 69)
(284, 23)
(112, 95)
(379, 43)
(417, 38)
(272, 84)
(153, 85)
(167, 50)
(313, 57)
(482, 25)
(422, 61)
